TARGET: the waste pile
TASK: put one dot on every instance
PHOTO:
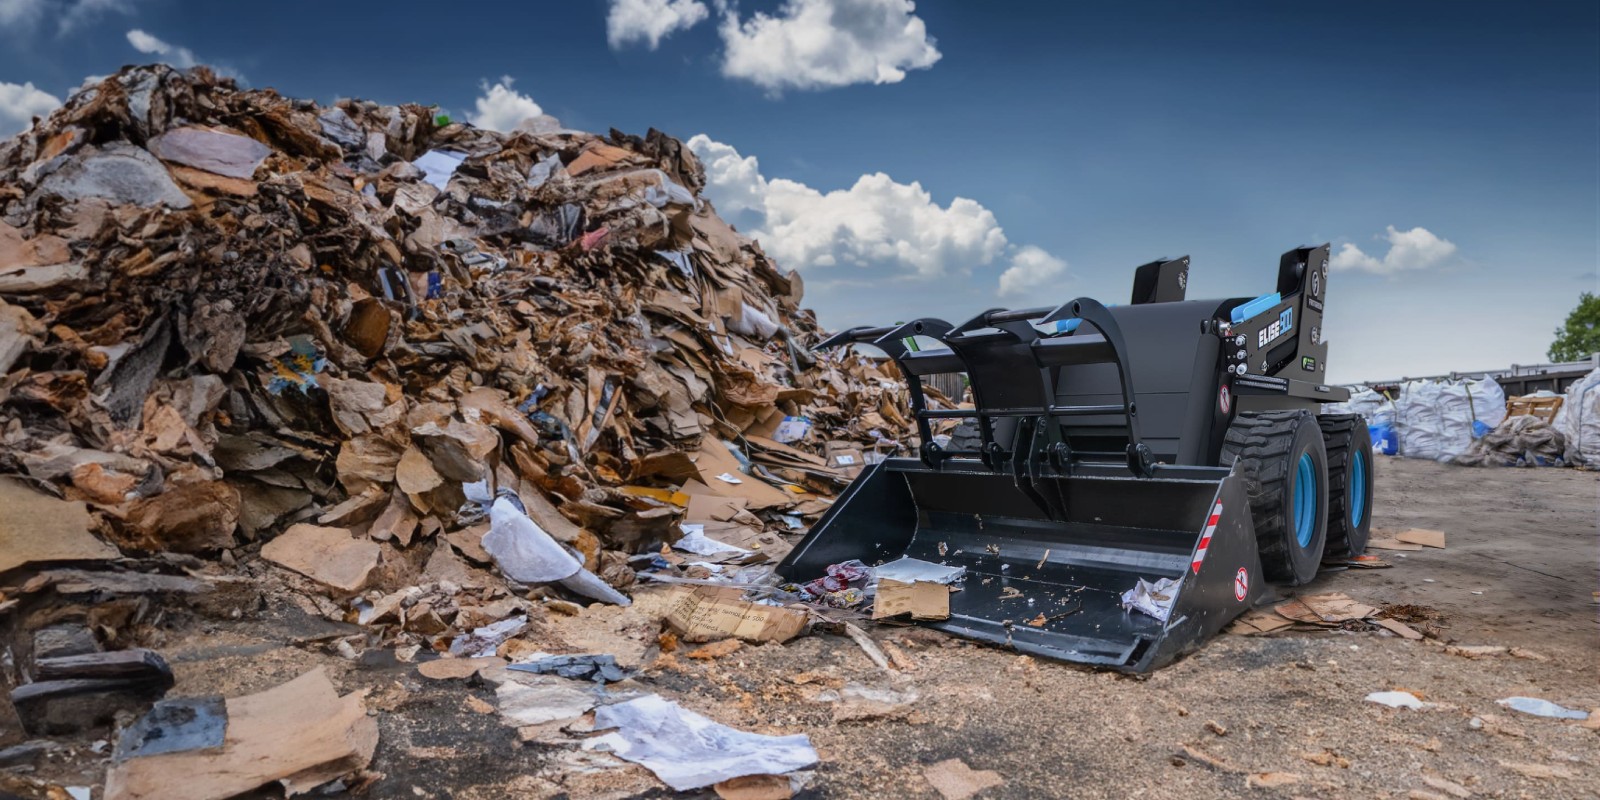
(433, 379)
(1578, 420)
(1436, 420)
(1473, 423)
(1439, 419)
(1519, 441)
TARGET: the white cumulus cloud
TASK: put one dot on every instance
(180, 57)
(1415, 249)
(734, 182)
(820, 44)
(877, 223)
(501, 108)
(650, 21)
(1032, 271)
(20, 103)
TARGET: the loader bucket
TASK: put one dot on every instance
(1053, 587)
(1051, 525)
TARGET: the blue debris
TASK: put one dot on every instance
(298, 368)
(175, 726)
(599, 667)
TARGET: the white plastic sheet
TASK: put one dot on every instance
(526, 554)
(753, 321)
(1397, 700)
(1542, 708)
(438, 165)
(543, 170)
(911, 570)
(689, 751)
(696, 541)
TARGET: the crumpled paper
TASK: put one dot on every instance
(1154, 599)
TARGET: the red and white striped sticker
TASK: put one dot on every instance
(1205, 538)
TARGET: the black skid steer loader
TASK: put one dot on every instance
(1164, 439)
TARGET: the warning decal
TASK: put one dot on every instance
(1241, 584)
(1205, 538)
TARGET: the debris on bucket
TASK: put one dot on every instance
(1154, 599)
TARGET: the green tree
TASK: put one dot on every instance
(1580, 336)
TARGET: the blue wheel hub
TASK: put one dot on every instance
(1358, 487)
(1305, 500)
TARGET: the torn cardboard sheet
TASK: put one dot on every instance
(1391, 544)
(1423, 537)
(1324, 610)
(1258, 621)
(1398, 628)
(329, 556)
(689, 751)
(709, 613)
(954, 780)
(37, 528)
(923, 600)
(301, 733)
(714, 460)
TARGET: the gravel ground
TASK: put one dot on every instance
(1520, 570)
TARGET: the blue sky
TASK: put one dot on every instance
(904, 158)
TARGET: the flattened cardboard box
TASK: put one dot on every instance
(846, 458)
(708, 613)
(923, 600)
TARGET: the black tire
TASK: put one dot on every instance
(1349, 447)
(1267, 447)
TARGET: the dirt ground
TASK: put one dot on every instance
(1520, 570)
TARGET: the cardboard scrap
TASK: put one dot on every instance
(35, 527)
(443, 669)
(1400, 629)
(1540, 771)
(755, 787)
(923, 600)
(709, 613)
(1257, 622)
(714, 460)
(1271, 780)
(1324, 610)
(954, 780)
(845, 458)
(301, 733)
(1392, 544)
(1420, 536)
(329, 556)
